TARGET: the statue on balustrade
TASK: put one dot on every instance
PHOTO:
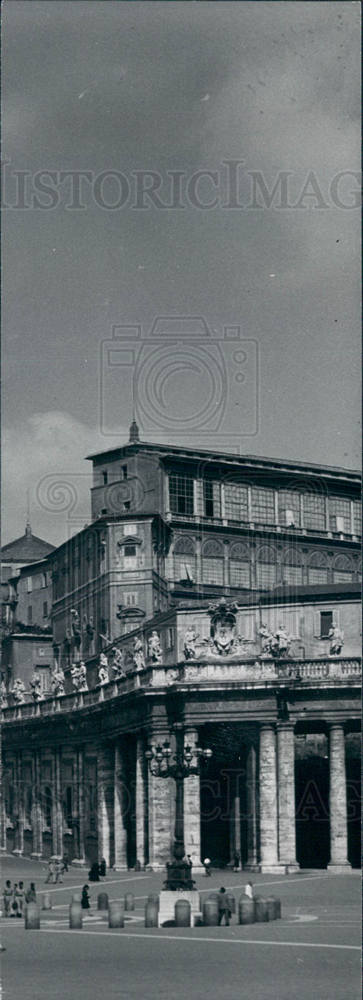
(336, 636)
(58, 681)
(154, 648)
(190, 643)
(79, 676)
(117, 665)
(276, 644)
(3, 695)
(103, 674)
(138, 654)
(19, 692)
(35, 685)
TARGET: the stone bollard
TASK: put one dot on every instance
(75, 916)
(261, 911)
(76, 897)
(153, 897)
(210, 913)
(32, 917)
(152, 914)
(182, 910)
(271, 907)
(115, 913)
(231, 902)
(129, 901)
(274, 908)
(246, 910)
(46, 901)
(102, 901)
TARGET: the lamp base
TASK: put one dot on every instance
(179, 876)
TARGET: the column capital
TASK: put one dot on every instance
(285, 726)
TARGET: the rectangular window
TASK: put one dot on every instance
(289, 508)
(213, 571)
(130, 558)
(45, 609)
(314, 512)
(236, 502)
(208, 499)
(317, 575)
(130, 598)
(44, 674)
(184, 567)
(124, 471)
(265, 575)
(263, 505)
(105, 477)
(339, 515)
(239, 574)
(357, 517)
(169, 638)
(342, 576)
(326, 621)
(30, 614)
(293, 575)
(29, 584)
(181, 492)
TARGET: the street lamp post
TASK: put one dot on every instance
(163, 764)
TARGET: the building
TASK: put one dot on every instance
(230, 589)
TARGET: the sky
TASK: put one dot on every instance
(234, 326)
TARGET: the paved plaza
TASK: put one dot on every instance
(313, 951)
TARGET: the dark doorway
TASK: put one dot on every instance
(312, 812)
(354, 811)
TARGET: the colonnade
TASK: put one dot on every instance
(136, 810)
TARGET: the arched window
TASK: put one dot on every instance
(184, 564)
(317, 568)
(212, 563)
(266, 567)
(292, 567)
(343, 571)
(239, 566)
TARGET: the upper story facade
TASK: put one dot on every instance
(242, 523)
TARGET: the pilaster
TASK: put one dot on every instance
(252, 817)
(141, 803)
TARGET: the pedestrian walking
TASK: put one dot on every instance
(85, 903)
(51, 871)
(30, 895)
(19, 896)
(223, 907)
(7, 897)
(207, 866)
(236, 861)
(58, 869)
(65, 861)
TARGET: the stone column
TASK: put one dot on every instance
(337, 801)
(251, 797)
(192, 806)
(105, 797)
(19, 806)
(58, 805)
(57, 840)
(80, 809)
(286, 796)
(37, 813)
(122, 806)
(235, 819)
(268, 800)
(161, 814)
(141, 803)
(2, 805)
